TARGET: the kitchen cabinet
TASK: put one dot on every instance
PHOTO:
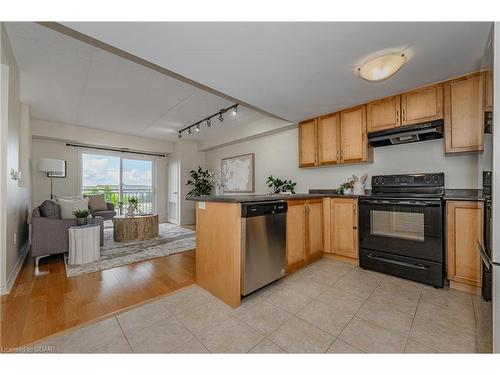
(383, 114)
(422, 105)
(464, 228)
(353, 139)
(308, 143)
(413, 107)
(488, 95)
(304, 232)
(344, 227)
(329, 139)
(334, 139)
(464, 114)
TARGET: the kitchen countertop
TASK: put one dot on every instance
(450, 194)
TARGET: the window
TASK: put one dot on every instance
(119, 179)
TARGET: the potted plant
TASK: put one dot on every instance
(279, 186)
(201, 181)
(81, 216)
(132, 206)
(346, 187)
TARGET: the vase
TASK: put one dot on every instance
(348, 191)
(81, 221)
(130, 210)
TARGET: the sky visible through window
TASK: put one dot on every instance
(101, 170)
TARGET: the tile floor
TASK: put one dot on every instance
(328, 307)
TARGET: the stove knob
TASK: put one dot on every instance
(435, 178)
(427, 179)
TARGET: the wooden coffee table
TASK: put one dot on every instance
(140, 227)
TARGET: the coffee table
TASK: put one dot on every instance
(140, 227)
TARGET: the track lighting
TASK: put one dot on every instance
(197, 125)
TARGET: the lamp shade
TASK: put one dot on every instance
(51, 166)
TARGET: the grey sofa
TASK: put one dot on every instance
(50, 236)
(106, 215)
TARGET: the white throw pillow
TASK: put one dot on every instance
(77, 198)
(68, 206)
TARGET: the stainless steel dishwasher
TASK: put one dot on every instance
(264, 244)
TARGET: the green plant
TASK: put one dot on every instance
(81, 213)
(201, 181)
(133, 201)
(349, 184)
(279, 185)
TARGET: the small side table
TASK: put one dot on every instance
(84, 244)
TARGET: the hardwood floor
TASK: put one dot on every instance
(44, 301)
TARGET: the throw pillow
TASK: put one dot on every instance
(57, 197)
(68, 206)
(50, 209)
(97, 202)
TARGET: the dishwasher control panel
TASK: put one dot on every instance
(263, 208)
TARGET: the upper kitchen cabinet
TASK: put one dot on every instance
(463, 114)
(383, 114)
(329, 139)
(353, 140)
(308, 146)
(422, 105)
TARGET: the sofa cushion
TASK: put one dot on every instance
(68, 206)
(97, 202)
(50, 208)
(57, 197)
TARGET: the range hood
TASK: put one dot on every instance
(407, 134)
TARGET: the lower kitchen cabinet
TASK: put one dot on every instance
(464, 228)
(304, 232)
(344, 227)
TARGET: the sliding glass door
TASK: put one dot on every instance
(119, 179)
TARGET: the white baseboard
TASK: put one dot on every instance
(5, 289)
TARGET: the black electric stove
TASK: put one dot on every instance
(401, 227)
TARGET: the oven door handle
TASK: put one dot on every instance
(401, 203)
(397, 262)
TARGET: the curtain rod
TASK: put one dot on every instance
(117, 149)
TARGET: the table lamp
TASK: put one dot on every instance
(53, 167)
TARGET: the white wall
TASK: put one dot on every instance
(277, 154)
(186, 152)
(49, 141)
(15, 155)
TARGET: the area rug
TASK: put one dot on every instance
(172, 239)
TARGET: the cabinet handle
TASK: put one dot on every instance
(341, 155)
(355, 227)
(337, 156)
(404, 116)
(397, 116)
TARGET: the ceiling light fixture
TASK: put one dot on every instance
(208, 119)
(382, 67)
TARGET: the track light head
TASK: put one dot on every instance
(189, 130)
(209, 122)
(197, 127)
(235, 110)
(221, 119)
(179, 135)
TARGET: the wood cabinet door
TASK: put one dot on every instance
(296, 232)
(344, 227)
(383, 114)
(463, 114)
(464, 229)
(353, 140)
(488, 92)
(314, 210)
(329, 139)
(308, 143)
(422, 105)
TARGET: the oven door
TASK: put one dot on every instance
(412, 228)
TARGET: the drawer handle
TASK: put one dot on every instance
(397, 262)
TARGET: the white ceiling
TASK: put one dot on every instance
(68, 81)
(298, 70)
